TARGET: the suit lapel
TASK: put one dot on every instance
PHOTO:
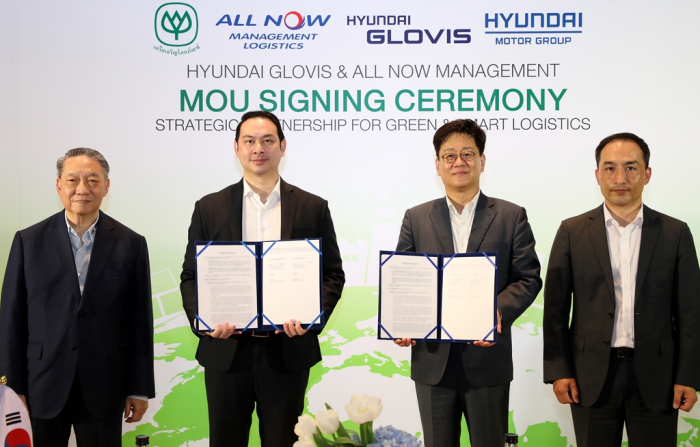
(440, 217)
(483, 216)
(650, 235)
(60, 243)
(599, 240)
(289, 208)
(235, 211)
(103, 245)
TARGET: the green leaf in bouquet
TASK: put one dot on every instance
(320, 440)
(367, 433)
(345, 441)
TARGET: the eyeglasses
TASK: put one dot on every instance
(452, 157)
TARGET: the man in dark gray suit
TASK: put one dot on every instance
(470, 379)
(631, 354)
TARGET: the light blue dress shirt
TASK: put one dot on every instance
(82, 249)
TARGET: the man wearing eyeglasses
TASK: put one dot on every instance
(458, 378)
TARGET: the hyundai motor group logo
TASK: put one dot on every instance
(538, 28)
(176, 24)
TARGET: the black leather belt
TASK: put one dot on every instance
(258, 334)
(622, 353)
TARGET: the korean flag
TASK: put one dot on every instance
(15, 428)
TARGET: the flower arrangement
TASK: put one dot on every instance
(362, 410)
(393, 437)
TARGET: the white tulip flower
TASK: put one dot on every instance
(306, 427)
(304, 442)
(327, 421)
(363, 408)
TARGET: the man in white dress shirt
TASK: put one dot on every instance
(630, 355)
(265, 371)
(459, 378)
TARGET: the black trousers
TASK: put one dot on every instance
(257, 380)
(620, 404)
(441, 407)
(89, 431)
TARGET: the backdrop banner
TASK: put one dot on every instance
(360, 88)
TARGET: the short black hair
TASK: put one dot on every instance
(624, 136)
(463, 126)
(260, 114)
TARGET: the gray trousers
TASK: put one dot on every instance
(485, 409)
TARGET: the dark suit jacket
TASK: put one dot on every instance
(218, 217)
(498, 226)
(667, 348)
(48, 331)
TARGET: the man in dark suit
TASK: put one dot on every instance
(268, 371)
(470, 379)
(631, 353)
(76, 343)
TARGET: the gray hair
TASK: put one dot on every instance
(90, 153)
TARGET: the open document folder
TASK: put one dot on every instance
(259, 285)
(447, 298)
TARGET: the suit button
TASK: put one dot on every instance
(606, 341)
(75, 348)
(610, 314)
(80, 314)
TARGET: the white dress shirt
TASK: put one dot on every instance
(261, 221)
(462, 223)
(623, 246)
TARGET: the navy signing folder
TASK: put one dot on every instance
(442, 298)
(259, 285)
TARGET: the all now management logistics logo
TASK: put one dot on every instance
(289, 31)
(176, 28)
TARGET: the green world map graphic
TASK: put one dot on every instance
(178, 416)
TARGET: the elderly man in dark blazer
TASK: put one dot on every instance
(470, 379)
(76, 343)
(631, 353)
(267, 371)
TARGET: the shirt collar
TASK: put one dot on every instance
(90, 231)
(248, 191)
(469, 207)
(639, 220)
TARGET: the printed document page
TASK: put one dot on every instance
(291, 281)
(409, 288)
(468, 296)
(226, 286)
